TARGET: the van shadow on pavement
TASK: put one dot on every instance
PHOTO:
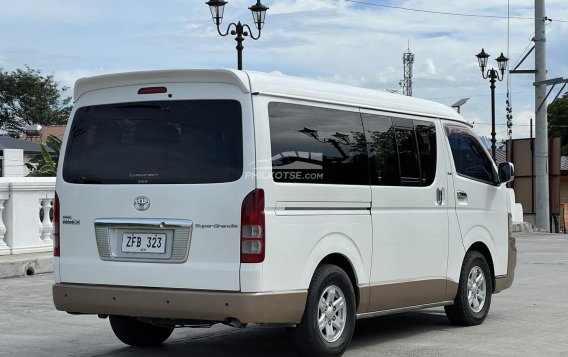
(271, 341)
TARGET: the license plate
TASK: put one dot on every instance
(144, 243)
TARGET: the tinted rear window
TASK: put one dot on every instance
(402, 151)
(317, 145)
(174, 142)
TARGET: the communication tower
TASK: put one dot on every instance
(408, 61)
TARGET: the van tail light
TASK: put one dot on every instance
(252, 228)
(56, 222)
(152, 90)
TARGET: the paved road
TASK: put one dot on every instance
(530, 319)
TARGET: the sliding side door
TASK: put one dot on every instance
(409, 211)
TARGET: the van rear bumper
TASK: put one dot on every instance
(269, 307)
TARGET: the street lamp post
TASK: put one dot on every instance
(240, 30)
(493, 76)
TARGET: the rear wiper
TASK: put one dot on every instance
(143, 106)
(87, 180)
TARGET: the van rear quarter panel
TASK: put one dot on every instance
(307, 222)
(214, 255)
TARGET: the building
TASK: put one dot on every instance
(15, 154)
(521, 154)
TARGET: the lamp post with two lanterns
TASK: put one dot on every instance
(493, 76)
(240, 30)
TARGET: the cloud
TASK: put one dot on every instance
(428, 67)
(296, 6)
(334, 40)
(522, 124)
(70, 76)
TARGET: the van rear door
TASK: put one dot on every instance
(151, 186)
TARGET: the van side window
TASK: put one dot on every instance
(470, 157)
(408, 155)
(382, 150)
(426, 138)
(317, 145)
(402, 151)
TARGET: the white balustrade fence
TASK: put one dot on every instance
(26, 214)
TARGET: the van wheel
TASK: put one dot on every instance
(328, 322)
(135, 333)
(473, 300)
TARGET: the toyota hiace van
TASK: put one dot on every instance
(196, 197)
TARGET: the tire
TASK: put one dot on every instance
(135, 333)
(472, 301)
(331, 284)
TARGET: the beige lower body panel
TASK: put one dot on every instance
(281, 307)
(505, 282)
(398, 295)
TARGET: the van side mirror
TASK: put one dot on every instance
(506, 172)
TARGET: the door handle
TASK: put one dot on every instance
(440, 196)
(462, 195)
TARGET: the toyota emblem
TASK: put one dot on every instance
(141, 203)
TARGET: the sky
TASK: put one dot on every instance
(333, 40)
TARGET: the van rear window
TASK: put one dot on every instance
(156, 142)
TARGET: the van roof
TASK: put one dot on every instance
(276, 85)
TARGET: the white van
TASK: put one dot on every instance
(196, 197)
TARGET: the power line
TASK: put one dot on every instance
(448, 13)
(438, 12)
(531, 41)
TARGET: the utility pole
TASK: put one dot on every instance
(541, 118)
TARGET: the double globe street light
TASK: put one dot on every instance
(493, 76)
(241, 31)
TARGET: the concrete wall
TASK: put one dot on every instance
(13, 163)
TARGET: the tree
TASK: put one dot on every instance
(29, 97)
(45, 163)
(558, 121)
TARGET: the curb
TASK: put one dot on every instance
(25, 264)
(524, 227)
